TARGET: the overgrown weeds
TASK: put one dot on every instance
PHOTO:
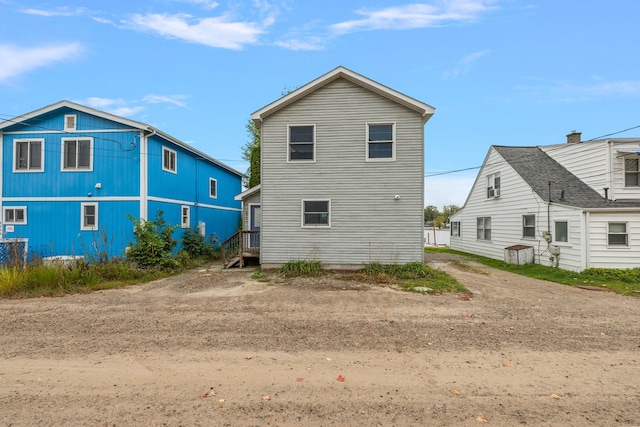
(297, 268)
(413, 276)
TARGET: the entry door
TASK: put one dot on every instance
(255, 218)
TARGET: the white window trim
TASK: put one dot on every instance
(493, 192)
(14, 208)
(289, 143)
(175, 155)
(393, 143)
(626, 233)
(82, 226)
(524, 226)
(215, 195)
(187, 223)
(303, 225)
(75, 123)
(15, 154)
(90, 168)
(484, 229)
(555, 237)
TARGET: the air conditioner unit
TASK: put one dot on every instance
(496, 193)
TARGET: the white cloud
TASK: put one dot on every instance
(464, 65)
(312, 43)
(215, 32)
(417, 15)
(128, 108)
(19, 60)
(205, 4)
(60, 11)
(447, 190)
(174, 99)
(560, 91)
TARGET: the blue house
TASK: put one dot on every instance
(71, 176)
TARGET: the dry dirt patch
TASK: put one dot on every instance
(220, 348)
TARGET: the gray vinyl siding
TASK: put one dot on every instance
(516, 199)
(254, 199)
(367, 223)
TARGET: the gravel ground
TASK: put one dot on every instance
(218, 348)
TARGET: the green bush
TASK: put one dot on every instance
(154, 243)
(194, 244)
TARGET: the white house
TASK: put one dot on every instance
(342, 174)
(573, 205)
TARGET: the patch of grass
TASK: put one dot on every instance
(414, 276)
(297, 268)
(622, 281)
(55, 280)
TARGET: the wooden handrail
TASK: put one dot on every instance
(244, 241)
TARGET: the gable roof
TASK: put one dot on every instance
(25, 118)
(249, 192)
(341, 72)
(537, 169)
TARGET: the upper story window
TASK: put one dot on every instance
(213, 188)
(316, 213)
(15, 215)
(631, 173)
(89, 216)
(455, 229)
(381, 142)
(617, 235)
(302, 143)
(493, 185)
(77, 154)
(70, 122)
(529, 226)
(562, 231)
(169, 160)
(28, 155)
(483, 228)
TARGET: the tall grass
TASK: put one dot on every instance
(295, 268)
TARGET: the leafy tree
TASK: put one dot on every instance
(430, 213)
(447, 211)
(251, 152)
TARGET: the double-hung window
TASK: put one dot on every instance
(213, 188)
(28, 155)
(316, 213)
(493, 185)
(70, 122)
(455, 228)
(631, 173)
(529, 226)
(562, 231)
(302, 143)
(483, 228)
(77, 154)
(15, 215)
(381, 141)
(89, 213)
(169, 157)
(617, 235)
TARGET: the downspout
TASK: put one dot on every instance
(612, 195)
(144, 173)
(587, 254)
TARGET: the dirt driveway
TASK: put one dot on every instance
(212, 348)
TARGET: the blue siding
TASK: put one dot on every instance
(116, 165)
(53, 198)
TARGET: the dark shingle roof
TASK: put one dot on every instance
(537, 168)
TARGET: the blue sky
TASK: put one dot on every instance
(503, 72)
